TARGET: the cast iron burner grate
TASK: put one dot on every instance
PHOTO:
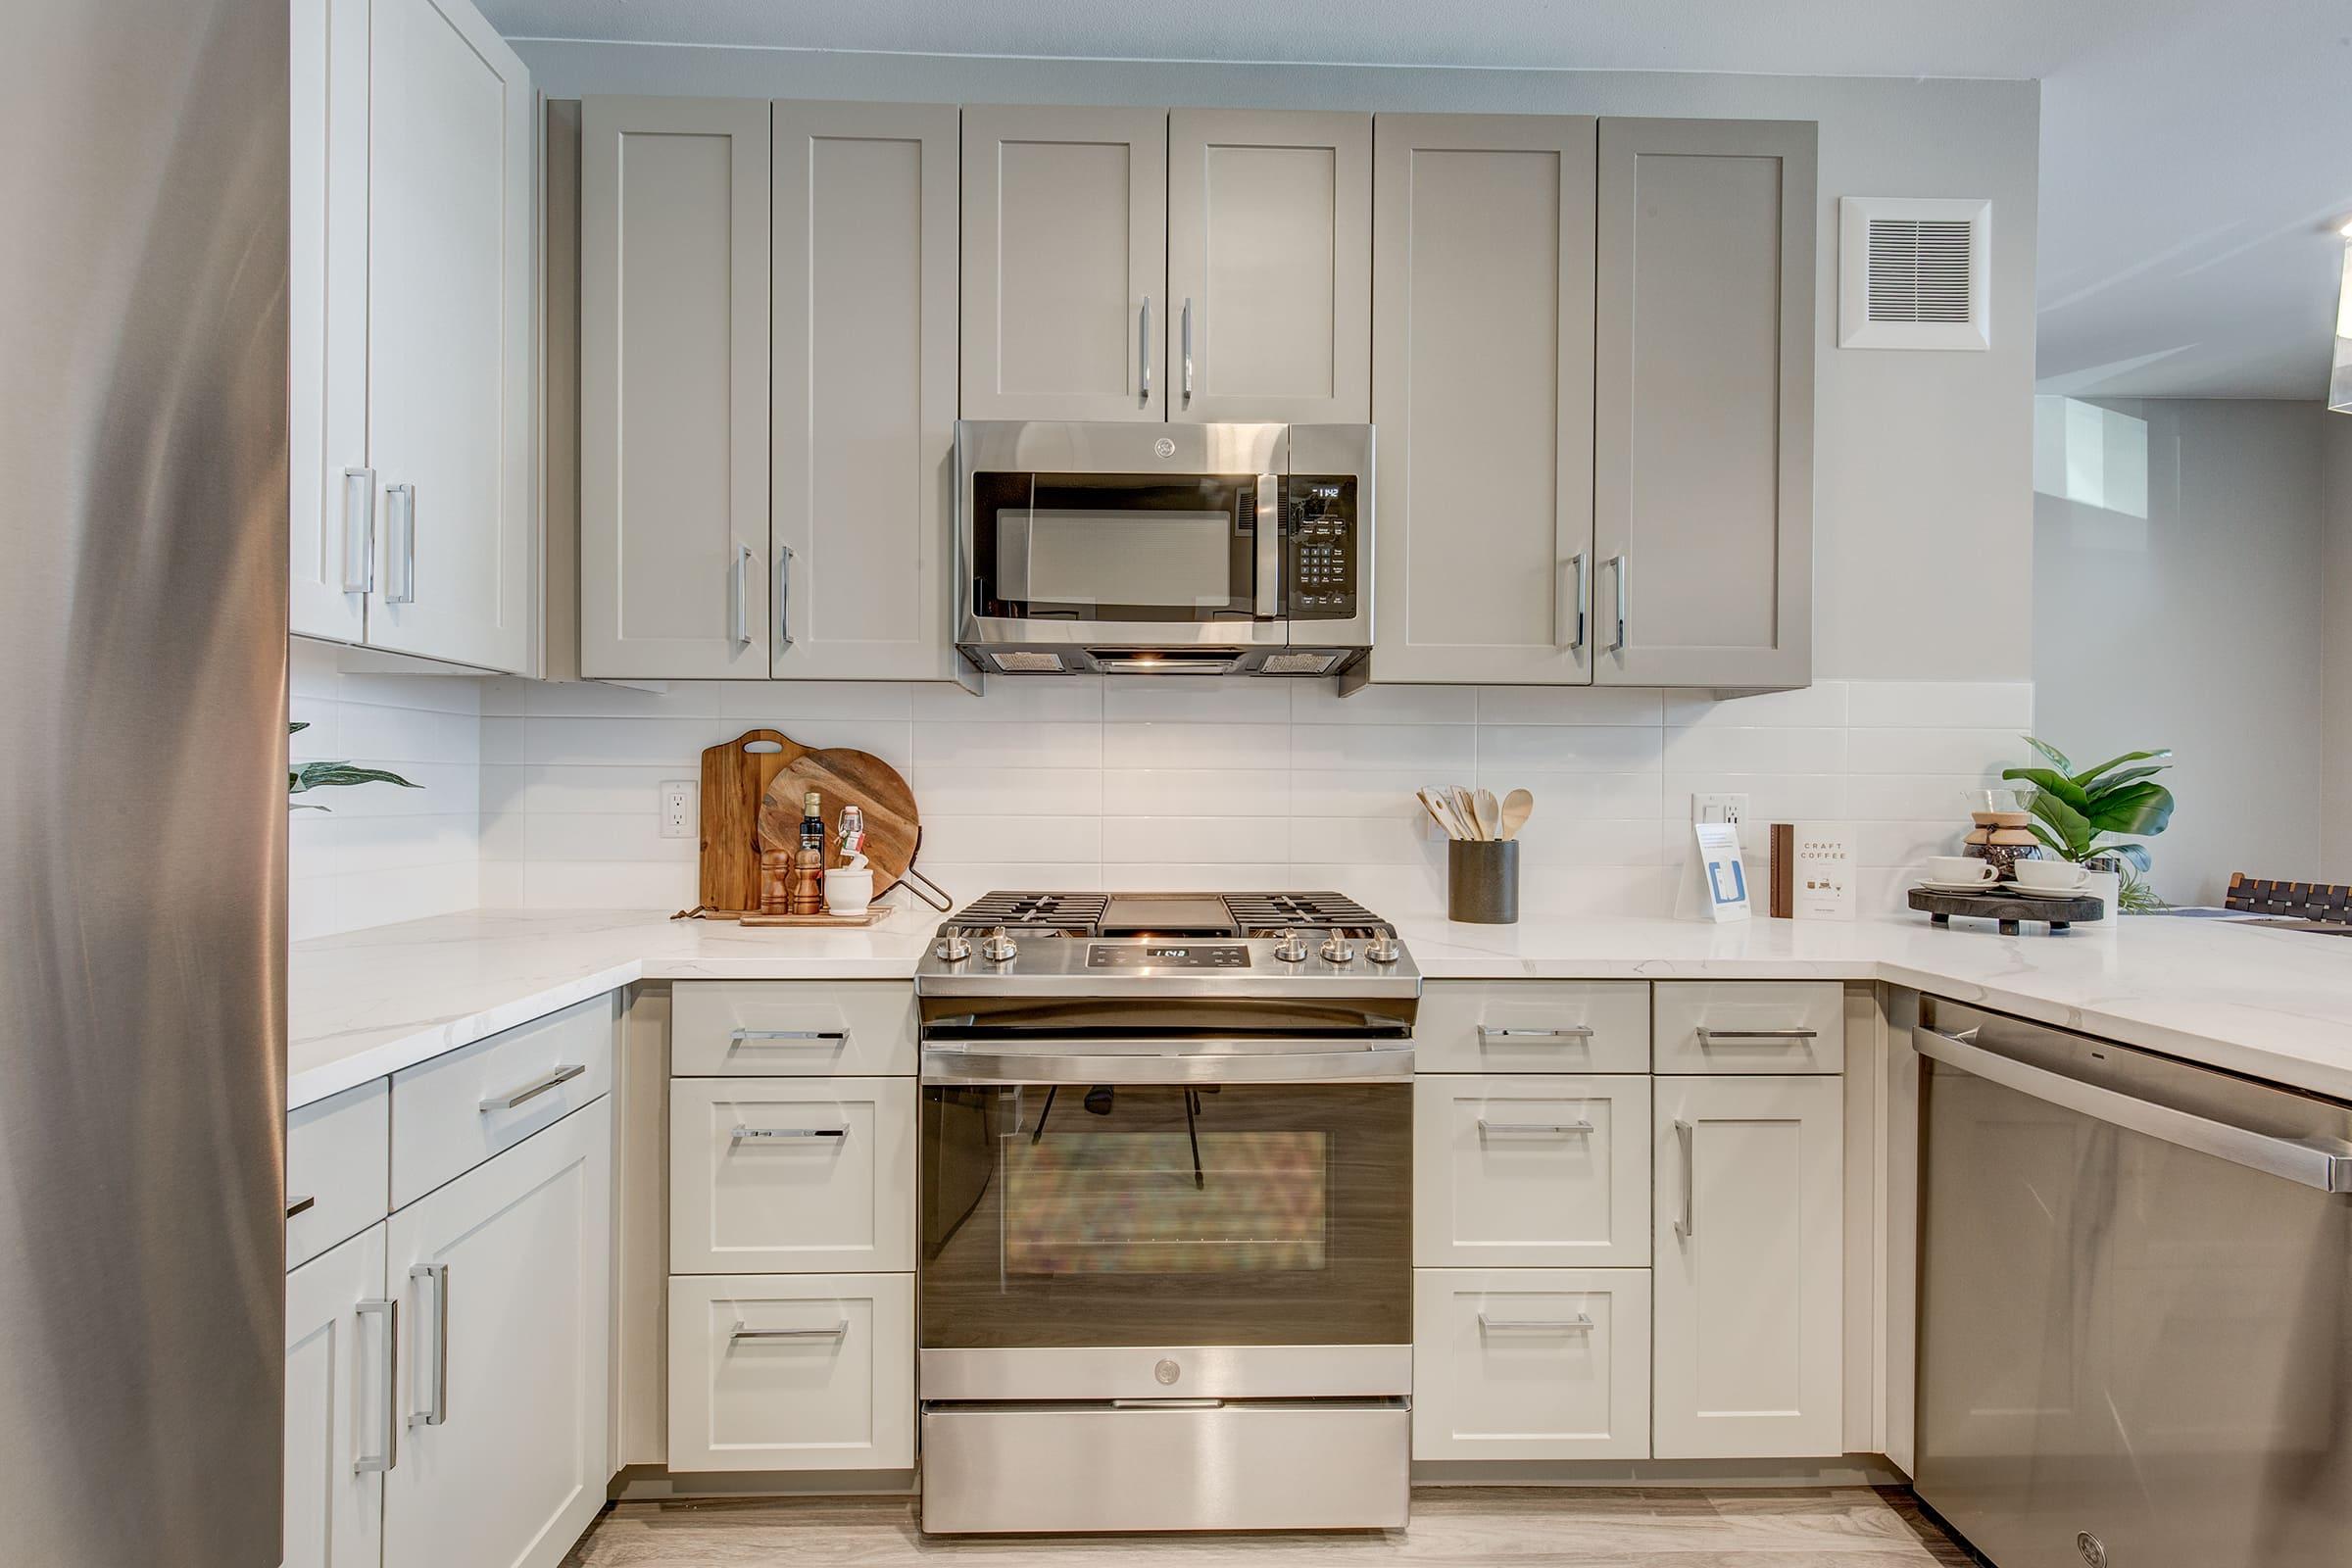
(1070, 914)
(1261, 914)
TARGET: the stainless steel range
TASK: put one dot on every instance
(1166, 1279)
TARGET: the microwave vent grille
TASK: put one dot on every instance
(1300, 663)
(1019, 662)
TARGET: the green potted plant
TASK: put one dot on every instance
(316, 776)
(2080, 816)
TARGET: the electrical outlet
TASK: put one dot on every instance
(679, 807)
(1731, 809)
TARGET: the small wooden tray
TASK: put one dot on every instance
(846, 923)
(2006, 908)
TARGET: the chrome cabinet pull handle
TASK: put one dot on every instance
(1570, 1325)
(1575, 590)
(400, 528)
(296, 1206)
(533, 1090)
(784, 598)
(1143, 334)
(1187, 352)
(790, 1132)
(1709, 1036)
(1688, 1225)
(1576, 1031)
(437, 1411)
(1617, 566)
(388, 1433)
(837, 1331)
(1486, 1126)
(743, 1037)
(739, 598)
(358, 530)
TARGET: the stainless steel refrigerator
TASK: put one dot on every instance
(142, 816)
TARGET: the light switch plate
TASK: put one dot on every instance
(1719, 808)
(680, 806)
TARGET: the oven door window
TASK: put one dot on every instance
(1114, 547)
(1232, 1214)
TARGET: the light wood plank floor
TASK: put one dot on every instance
(1519, 1527)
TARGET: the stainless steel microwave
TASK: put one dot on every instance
(1163, 549)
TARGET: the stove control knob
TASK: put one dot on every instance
(951, 948)
(998, 946)
(1288, 947)
(1335, 949)
(1382, 948)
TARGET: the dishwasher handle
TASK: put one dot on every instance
(2306, 1164)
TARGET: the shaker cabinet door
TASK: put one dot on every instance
(675, 537)
(1482, 390)
(1749, 1269)
(1269, 266)
(1703, 493)
(503, 1279)
(449, 301)
(342, 1412)
(332, 491)
(1065, 310)
(865, 255)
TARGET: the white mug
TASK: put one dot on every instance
(2050, 876)
(849, 891)
(1962, 868)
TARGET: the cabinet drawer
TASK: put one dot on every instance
(338, 1167)
(792, 1372)
(451, 1113)
(1531, 1363)
(1750, 1026)
(791, 1174)
(1519, 1170)
(790, 1029)
(1533, 1026)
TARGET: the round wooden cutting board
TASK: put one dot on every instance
(843, 778)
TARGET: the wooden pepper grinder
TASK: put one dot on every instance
(808, 895)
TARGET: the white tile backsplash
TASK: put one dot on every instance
(377, 853)
(1138, 782)
(546, 795)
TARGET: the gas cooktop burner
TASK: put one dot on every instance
(1165, 915)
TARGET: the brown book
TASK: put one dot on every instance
(1781, 872)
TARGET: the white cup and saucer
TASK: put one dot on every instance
(2051, 879)
(1959, 874)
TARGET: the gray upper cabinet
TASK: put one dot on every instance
(674, 388)
(1064, 263)
(1483, 395)
(1703, 486)
(1269, 266)
(865, 390)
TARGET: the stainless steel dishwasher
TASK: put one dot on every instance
(2136, 1304)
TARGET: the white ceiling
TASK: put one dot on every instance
(2196, 154)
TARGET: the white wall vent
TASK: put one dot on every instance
(1914, 273)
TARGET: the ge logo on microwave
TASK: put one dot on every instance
(1164, 447)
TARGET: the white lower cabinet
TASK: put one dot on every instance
(1750, 1267)
(1531, 1363)
(1518, 1170)
(503, 1279)
(794, 1174)
(341, 1414)
(792, 1372)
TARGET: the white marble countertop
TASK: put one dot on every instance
(2269, 1004)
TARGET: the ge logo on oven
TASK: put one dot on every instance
(1167, 1372)
(1164, 447)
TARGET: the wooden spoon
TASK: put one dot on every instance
(1517, 807)
(1437, 814)
(1468, 813)
(1489, 815)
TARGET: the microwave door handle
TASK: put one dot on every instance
(1269, 547)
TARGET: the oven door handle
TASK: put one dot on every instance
(1191, 1062)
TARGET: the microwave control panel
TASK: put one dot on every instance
(1320, 554)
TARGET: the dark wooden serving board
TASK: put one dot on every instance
(752, 798)
(2008, 908)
